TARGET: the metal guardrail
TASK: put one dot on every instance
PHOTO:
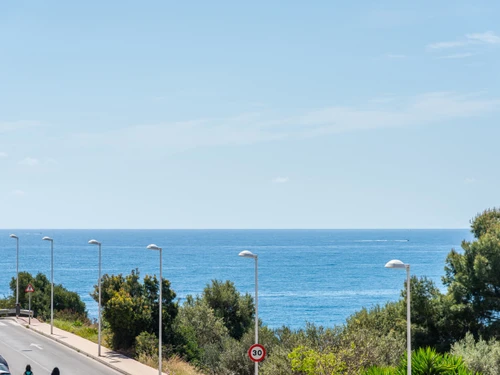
(12, 312)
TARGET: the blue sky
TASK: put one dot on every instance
(282, 114)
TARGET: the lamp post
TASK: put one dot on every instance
(398, 264)
(94, 242)
(51, 283)
(154, 247)
(17, 267)
(249, 254)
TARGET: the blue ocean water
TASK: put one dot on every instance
(318, 276)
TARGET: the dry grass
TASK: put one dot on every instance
(172, 366)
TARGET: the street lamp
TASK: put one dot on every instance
(51, 283)
(94, 242)
(398, 264)
(154, 247)
(249, 254)
(17, 267)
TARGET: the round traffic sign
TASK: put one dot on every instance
(257, 353)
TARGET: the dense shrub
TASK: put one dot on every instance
(481, 356)
(131, 307)
(40, 299)
(425, 361)
(146, 344)
(235, 310)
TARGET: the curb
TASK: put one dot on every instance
(78, 350)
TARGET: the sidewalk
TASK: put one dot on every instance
(116, 361)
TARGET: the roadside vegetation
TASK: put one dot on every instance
(453, 333)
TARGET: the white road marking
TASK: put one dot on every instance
(37, 346)
(2, 324)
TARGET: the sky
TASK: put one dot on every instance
(261, 114)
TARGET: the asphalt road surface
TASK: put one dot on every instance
(20, 346)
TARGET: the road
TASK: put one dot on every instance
(20, 346)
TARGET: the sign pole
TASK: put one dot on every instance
(29, 289)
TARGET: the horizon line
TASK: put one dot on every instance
(411, 228)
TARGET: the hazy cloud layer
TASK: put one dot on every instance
(31, 162)
(488, 37)
(281, 180)
(6, 127)
(429, 108)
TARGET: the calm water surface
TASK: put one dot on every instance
(319, 276)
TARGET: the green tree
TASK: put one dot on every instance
(473, 279)
(236, 310)
(40, 299)
(201, 333)
(131, 307)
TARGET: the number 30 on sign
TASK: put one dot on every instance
(257, 353)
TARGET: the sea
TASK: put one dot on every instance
(304, 276)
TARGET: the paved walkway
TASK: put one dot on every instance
(116, 361)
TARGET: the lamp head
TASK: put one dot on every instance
(94, 242)
(153, 247)
(247, 254)
(395, 263)
(47, 239)
(14, 236)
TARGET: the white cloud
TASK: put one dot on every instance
(488, 37)
(18, 193)
(3, 154)
(457, 56)
(441, 45)
(31, 162)
(469, 180)
(250, 128)
(281, 180)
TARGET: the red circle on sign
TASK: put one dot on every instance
(257, 353)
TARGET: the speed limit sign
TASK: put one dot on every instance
(257, 353)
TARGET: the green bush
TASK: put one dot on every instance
(425, 361)
(40, 299)
(130, 307)
(235, 310)
(481, 356)
(311, 362)
(146, 344)
(380, 371)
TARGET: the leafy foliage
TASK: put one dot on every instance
(473, 279)
(40, 300)
(236, 310)
(201, 333)
(131, 307)
(311, 362)
(425, 361)
(481, 356)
